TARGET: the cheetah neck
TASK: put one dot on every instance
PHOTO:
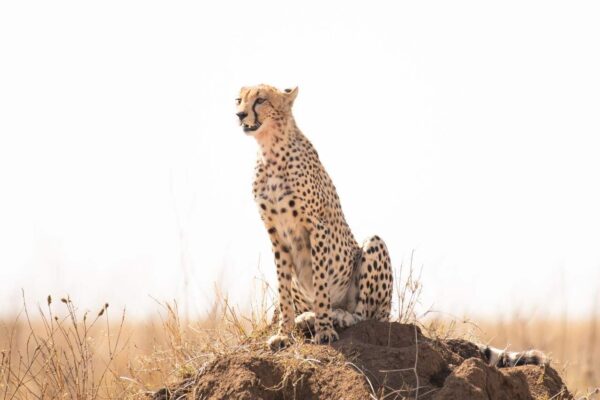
(274, 137)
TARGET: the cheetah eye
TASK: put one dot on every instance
(238, 101)
(260, 100)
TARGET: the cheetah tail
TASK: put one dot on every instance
(502, 358)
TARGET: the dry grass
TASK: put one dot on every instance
(60, 352)
(61, 355)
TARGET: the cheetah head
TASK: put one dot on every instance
(258, 107)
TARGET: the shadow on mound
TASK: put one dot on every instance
(372, 360)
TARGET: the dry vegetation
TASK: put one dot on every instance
(572, 344)
(60, 352)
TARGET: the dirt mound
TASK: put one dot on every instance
(372, 360)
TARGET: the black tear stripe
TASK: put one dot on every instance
(254, 111)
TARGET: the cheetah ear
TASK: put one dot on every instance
(291, 94)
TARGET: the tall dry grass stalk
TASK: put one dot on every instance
(56, 355)
(408, 292)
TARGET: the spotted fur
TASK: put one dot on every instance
(325, 278)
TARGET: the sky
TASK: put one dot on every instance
(466, 134)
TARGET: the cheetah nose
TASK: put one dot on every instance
(241, 115)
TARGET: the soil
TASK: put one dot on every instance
(372, 360)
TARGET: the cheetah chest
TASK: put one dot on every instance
(278, 195)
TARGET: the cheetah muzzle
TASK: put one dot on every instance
(248, 128)
(325, 278)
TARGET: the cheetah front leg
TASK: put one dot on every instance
(321, 261)
(283, 263)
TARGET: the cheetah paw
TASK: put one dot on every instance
(279, 341)
(326, 336)
(305, 321)
(343, 319)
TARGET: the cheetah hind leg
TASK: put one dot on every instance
(375, 281)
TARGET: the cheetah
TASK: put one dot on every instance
(326, 280)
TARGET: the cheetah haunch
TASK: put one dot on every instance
(326, 279)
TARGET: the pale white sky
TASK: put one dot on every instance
(467, 131)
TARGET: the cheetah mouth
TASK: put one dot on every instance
(251, 128)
